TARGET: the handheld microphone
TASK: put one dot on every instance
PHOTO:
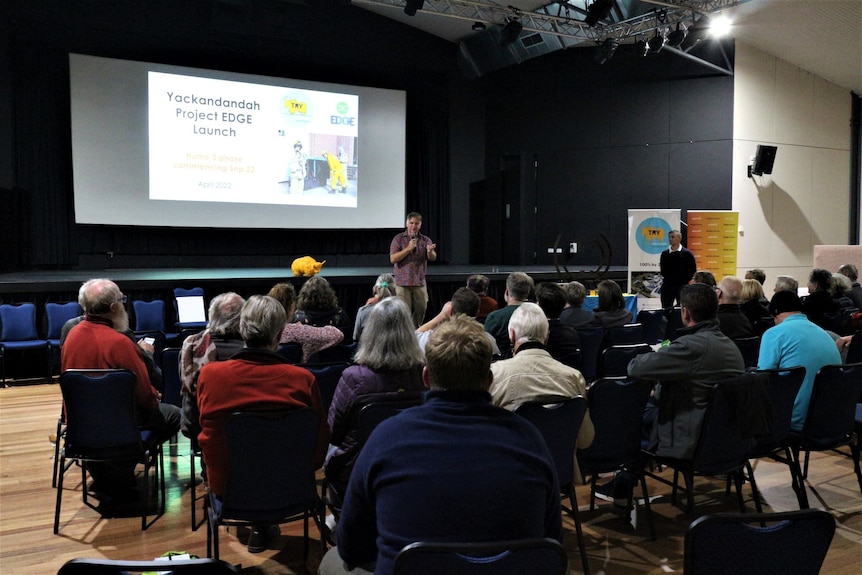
(413, 237)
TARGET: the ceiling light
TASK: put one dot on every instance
(598, 10)
(720, 26)
(511, 31)
(478, 26)
(656, 43)
(677, 37)
(411, 6)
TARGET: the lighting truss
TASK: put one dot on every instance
(556, 19)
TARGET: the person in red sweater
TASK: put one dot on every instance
(100, 341)
(256, 377)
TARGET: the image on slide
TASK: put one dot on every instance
(224, 141)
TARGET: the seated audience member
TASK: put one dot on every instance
(751, 306)
(312, 338)
(842, 320)
(562, 339)
(532, 374)
(218, 342)
(685, 371)
(760, 277)
(703, 277)
(388, 365)
(101, 341)
(255, 378)
(786, 283)
(518, 288)
(611, 311)
(574, 314)
(818, 305)
(843, 345)
(447, 470)
(317, 304)
(756, 274)
(795, 340)
(732, 322)
(384, 287)
(479, 284)
(850, 271)
(464, 301)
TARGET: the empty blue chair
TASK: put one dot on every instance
(18, 333)
(58, 314)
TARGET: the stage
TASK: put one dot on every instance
(352, 284)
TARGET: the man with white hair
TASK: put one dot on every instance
(100, 342)
(532, 374)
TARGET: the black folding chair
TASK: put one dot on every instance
(756, 543)
(545, 556)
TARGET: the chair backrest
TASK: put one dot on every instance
(326, 375)
(545, 556)
(616, 409)
(854, 350)
(832, 412)
(615, 359)
(721, 447)
(674, 323)
(572, 359)
(58, 314)
(123, 567)
(270, 471)
(149, 315)
(100, 412)
(292, 352)
(757, 543)
(763, 324)
(653, 322)
(749, 347)
(591, 346)
(173, 385)
(343, 352)
(373, 413)
(783, 385)
(559, 424)
(18, 322)
(625, 334)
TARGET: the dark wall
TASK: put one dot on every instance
(635, 132)
(314, 40)
(587, 141)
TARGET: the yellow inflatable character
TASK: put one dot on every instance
(306, 266)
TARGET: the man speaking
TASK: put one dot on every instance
(410, 252)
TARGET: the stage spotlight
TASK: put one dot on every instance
(720, 26)
(677, 37)
(598, 10)
(511, 31)
(656, 43)
(411, 6)
(606, 51)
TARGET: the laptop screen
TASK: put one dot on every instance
(191, 309)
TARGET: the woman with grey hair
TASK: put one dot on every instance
(388, 366)
(383, 288)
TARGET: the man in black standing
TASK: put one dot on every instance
(677, 267)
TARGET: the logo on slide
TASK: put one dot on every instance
(652, 235)
(296, 107)
(341, 108)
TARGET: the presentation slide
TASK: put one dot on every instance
(160, 145)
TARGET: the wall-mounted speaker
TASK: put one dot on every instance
(764, 160)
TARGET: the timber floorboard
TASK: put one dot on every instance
(28, 416)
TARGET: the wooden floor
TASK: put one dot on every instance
(28, 416)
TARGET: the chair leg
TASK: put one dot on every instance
(578, 530)
(60, 495)
(854, 452)
(647, 505)
(755, 494)
(737, 480)
(798, 482)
